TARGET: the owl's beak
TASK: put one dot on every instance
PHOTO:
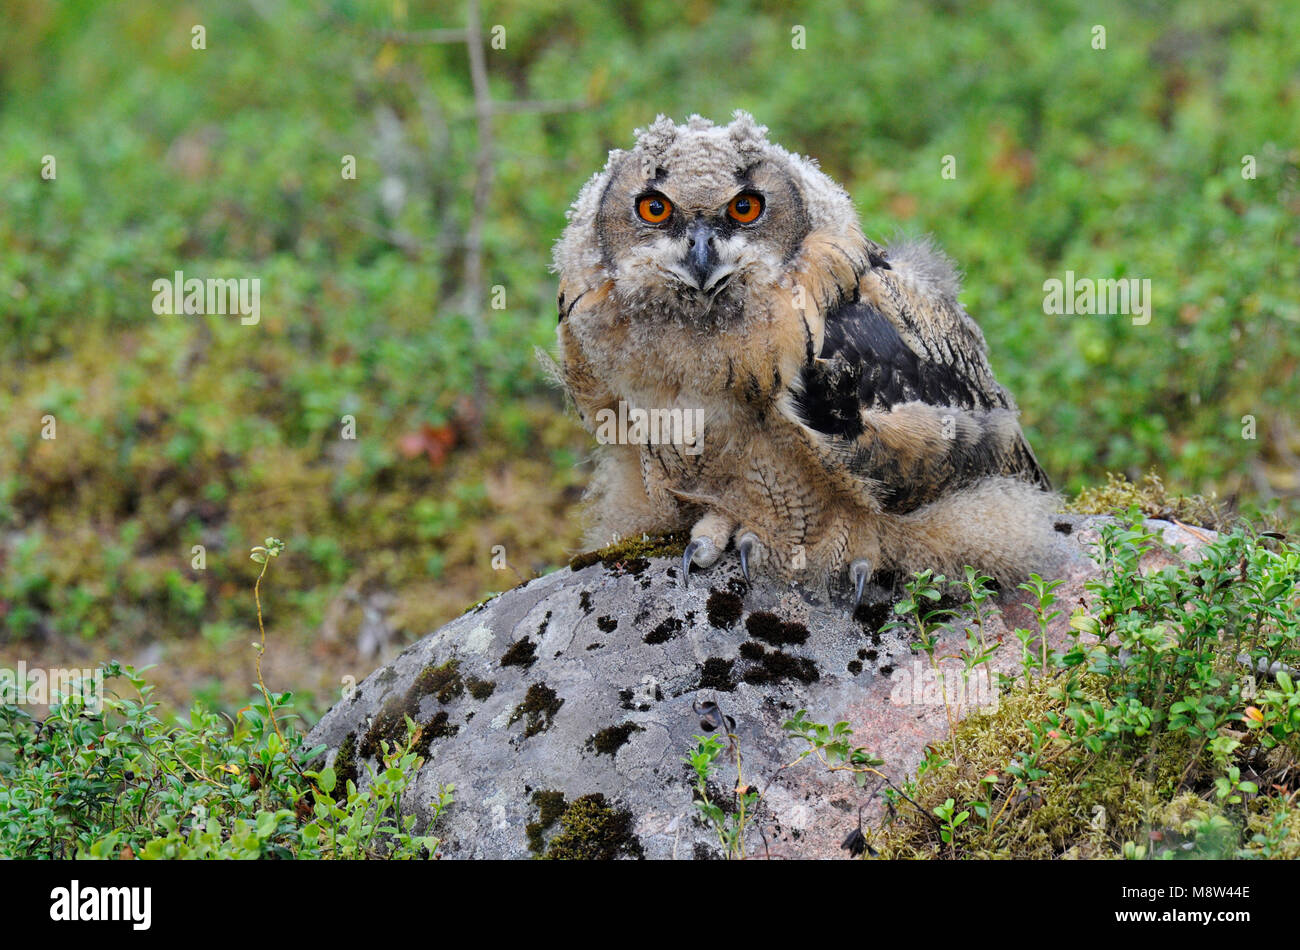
(701, 255)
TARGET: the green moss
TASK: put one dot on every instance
(389, 725)
(480, 689)
(772, 629)
(592, 830)
(1083, 806)
(444, 681)
(345, 766)
(522, 652)
(438, 727)
(606, 624)
(609, 741)
(479, 604)
(631, 554)
(724, 608)
(1151, 497)
(550, 806)
(1274, 830)
(540, 705)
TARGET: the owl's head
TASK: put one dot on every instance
(696, 218)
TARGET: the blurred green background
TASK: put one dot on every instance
(175, 431)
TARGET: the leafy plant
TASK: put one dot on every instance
(370, 824)
(118, 782)
(730, 823)
(1178, 681)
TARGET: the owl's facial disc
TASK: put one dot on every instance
(708, 242)
(697, 235)
(690, 235)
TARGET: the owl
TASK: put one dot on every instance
(761, 374)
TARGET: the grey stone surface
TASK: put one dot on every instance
(626, 647)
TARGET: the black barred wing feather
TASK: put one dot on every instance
(905, 382)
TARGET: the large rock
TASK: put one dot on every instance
(561, 710)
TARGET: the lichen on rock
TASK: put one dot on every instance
(562, 710)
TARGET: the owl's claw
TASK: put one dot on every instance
(748, 541)
(686, 562)
(708, 554)
(859, 571)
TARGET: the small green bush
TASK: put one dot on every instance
(115, 781)
(1169, 728)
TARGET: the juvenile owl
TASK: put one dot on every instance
(763, 374)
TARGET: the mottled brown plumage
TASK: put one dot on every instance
(847, 414)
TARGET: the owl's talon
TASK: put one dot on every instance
(702, 546)
(746, 545)
(859, 571)
(686, 562)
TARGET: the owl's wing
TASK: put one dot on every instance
(903, 379)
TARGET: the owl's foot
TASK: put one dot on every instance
(708, 538)
(703, 551)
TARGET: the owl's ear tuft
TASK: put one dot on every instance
(658, 137)
(749, 138)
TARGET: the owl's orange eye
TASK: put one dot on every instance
(745, 207)
(654, 208)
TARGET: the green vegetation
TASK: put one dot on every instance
(112, 780)
(1151, 498)
(729, 816)
(140, 454)
(1170, 728)
(102, 776)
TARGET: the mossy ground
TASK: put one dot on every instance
(1085, 806)
(630, 554)
(1151, 497)
(591, 829)
(104, 558)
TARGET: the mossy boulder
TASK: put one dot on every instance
(577, 748)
